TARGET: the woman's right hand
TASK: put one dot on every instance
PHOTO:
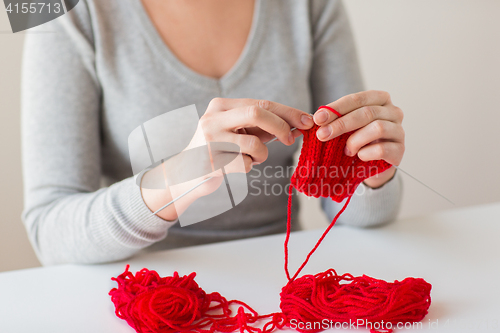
(248, 123)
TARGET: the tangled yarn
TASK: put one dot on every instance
(312, 299)
(150, 303)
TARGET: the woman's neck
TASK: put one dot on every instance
(207, 36)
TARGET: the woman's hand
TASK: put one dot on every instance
(377, 125)
(248, 123)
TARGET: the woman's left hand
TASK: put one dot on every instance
(377, 125)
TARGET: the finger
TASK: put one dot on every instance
(376, 130)
(391, 152)
(260, 133)
(355, 101)
(266, 137)
(238, 166)
(357, 119)
(229, 158)
(296, 133)
(324, 116)
(242, 131)
(249, 145)
(253, 147)
(254, 116)
(294, 117)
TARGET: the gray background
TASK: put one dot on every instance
(439, 60)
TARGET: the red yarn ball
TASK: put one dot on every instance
(152, 304)
(311, 299)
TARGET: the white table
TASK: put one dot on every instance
(457, 251)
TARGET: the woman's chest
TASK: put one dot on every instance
(208, 37)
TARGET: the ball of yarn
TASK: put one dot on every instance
(152, 304)
(311, 299)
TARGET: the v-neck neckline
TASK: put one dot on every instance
(231, 77)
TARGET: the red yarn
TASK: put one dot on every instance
(331, 109)
(150, 303)
(315, 298)
(324, 170)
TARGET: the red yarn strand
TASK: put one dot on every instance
(331, 109)
(320, 240)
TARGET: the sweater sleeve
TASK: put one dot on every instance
(68, 217)
(335, 73)
(368, 207)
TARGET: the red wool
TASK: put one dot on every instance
(150, 303)
(314, 298)
(324, 170)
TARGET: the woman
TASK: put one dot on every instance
(253, 68)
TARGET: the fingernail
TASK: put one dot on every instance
(321, 116)
(347, 151)
(255, 163)
(290, 137)
(324, 133)
(307, 120)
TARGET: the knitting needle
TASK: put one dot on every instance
(406, 173)
(421, 183)
(183, 194)
(274, 139)
(204, 181)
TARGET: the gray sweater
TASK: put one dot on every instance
(105, 70)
